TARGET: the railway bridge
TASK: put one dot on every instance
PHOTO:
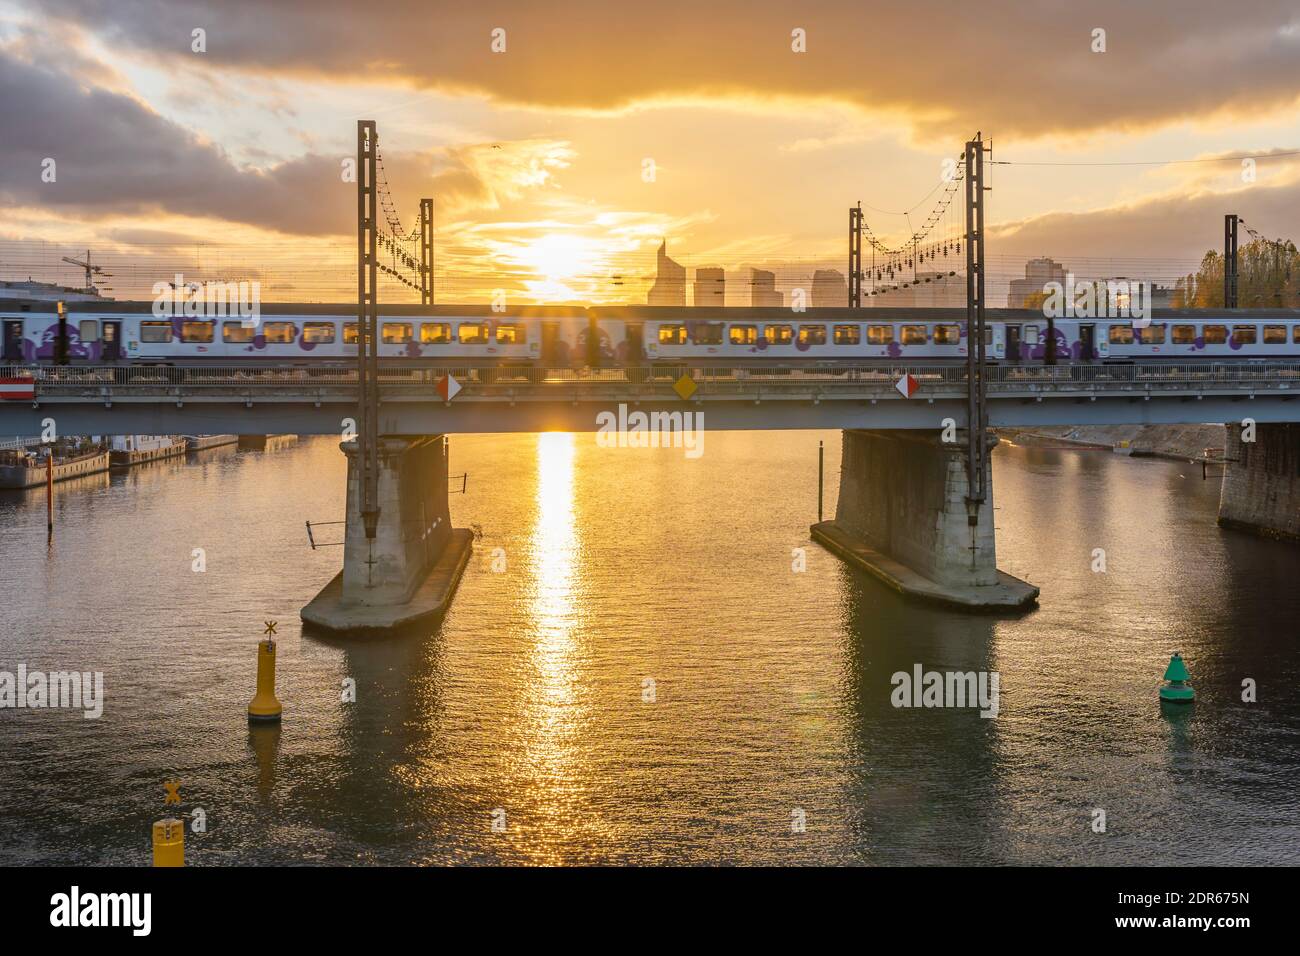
(904, 512)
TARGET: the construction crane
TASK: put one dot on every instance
(91, 272)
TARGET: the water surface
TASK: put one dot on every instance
(771, 688)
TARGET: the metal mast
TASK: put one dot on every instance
(368, 321)
(976, 407)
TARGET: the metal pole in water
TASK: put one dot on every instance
(49, 491)
(821, 471)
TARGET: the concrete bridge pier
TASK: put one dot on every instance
(410, 569)
(903, 517)
(1261, 481)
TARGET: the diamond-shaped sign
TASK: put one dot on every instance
(906, 385)
(685, 387)
(448, 388)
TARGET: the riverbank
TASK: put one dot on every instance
(1175, 442)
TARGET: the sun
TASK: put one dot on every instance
(560, 257)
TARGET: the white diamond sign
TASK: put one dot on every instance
(448, 388)
(906, 385)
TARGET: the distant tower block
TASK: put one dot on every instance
(762, 289)
(710, 287)
(670, 281)
(1038, 273)
(829, 290)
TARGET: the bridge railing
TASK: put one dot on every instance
(876, 378)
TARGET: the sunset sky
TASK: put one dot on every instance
(535, 155)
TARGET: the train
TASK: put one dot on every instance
(97, 333)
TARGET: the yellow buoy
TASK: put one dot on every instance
(169, 842)
(265, 706)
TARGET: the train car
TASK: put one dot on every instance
(456, 336)
(1180, 335)
(93, 333)
(813, 337)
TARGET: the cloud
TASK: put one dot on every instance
(1152, 234)
(115, 157)
(1020, 69)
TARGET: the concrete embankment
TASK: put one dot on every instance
(29, 472)
(1179, 442)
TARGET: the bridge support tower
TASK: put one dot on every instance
(409, 569)
(1261, 481)
(905, 515)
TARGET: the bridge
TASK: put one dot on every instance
(250, 399)
(915, 503)
(905, 512)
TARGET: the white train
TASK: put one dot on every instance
(551, 336)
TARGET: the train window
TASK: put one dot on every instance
(743, 334)
(236, 332)
(1121, 335)
(707, 333)
(88, 330)
(880, 334)
(510, 333)
(1215, 334)
(1152, 335)
(1295, 334)
(396, 333)
(672, 335)
(435, 333)
(155, 332)
(946, 335)
(194, 330)
(913, 334)
(988, 336)
(321, 333)
(778, 334)
(1183, 334)
(1275, 335)
(350, 333)
(812, 335)
(846, 334)
(472, 333)
(1030, 335)
(278, 333)
(1244, 334)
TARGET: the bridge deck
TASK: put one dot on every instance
(503, 383)
(249, 399)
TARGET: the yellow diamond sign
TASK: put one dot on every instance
(685, 386)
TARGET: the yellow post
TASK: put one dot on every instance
(169, 842)
(265, 705)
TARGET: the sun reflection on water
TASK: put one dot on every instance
(554, 714)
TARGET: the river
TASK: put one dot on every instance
(633, 672)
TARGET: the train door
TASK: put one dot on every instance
(995, 342)
(1087, 342)
(1013, 343)
(593, 343)
(550, 344)
(112, 341)
(13, 340)
(635, 347)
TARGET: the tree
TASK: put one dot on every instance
(1268, 277)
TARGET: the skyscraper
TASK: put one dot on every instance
(710, 287)
(670, 281)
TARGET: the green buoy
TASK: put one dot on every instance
(1177, 690)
